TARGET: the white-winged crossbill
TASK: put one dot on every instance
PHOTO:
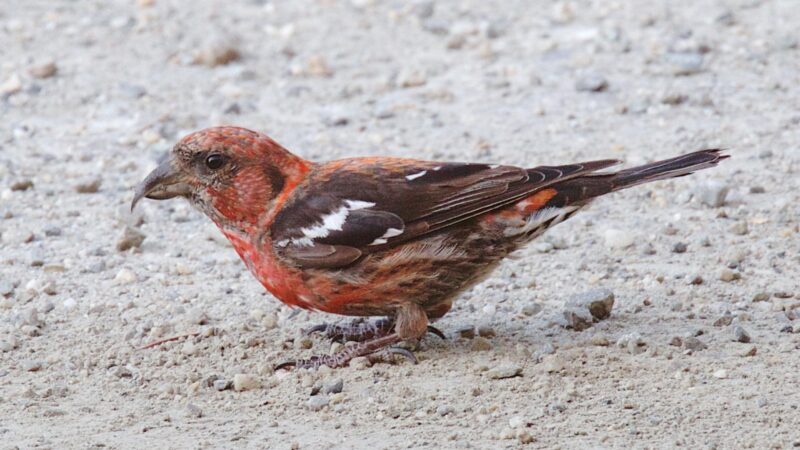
(392, 237)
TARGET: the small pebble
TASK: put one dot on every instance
(740, 228)
(516, 422)
(131, 238)
(486, 331)
(189, 349)
(333, 387)
(43, 70)
(70, 303)
(121, 372)
(183, 269)
(52, 231)
(679, 247)
(335, 117)
(245, 382)
(480, 344)
(577, 319)
(618, 238)
(409, 78)
(49, 288)
(599, 302)
(591, 83)
(270, 321)
(633, 343)
(724, 321)
(750, 353)
(712, 193)
(318, 67)
(525, 437)
(553, 363)
(21, 185)
(30, 316)
(32, 366)
(360, 363)
(467, 332)
(741, 335)
(721, 374)
(728, 275)
(444, 410)
(217, 54)
(683, 64)
(194, 411)
(531, 309)
(196, 316)
(8, 343)
(674, 99)
(222, 385)
(125, 276)
(88, 187)
(6, 288)
(504, 371)
(12, 85)
(317, 402)
(693, 344)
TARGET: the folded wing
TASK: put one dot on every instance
(354, 207)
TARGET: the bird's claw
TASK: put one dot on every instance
(391, 351)
(286, 365)
(435, 331)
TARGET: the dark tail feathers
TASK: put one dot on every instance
(669, 168)
(584, 188)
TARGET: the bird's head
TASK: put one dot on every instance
(231, 174)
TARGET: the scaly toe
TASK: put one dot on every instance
(322, 327)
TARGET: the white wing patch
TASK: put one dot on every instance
(333, 221)
(391, 232)
(540, 217)
(414, 176)
(353, 205)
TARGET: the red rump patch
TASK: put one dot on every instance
(524, 207)
(536, 201)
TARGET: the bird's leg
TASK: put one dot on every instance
(358, 330)
(343, 357)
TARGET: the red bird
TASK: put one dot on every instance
(392, 237)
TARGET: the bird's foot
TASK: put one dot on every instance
(376, 349)
(360, 330)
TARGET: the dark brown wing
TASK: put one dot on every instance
(348, 208)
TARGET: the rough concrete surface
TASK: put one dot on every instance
(700, 350)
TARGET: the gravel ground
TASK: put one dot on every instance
(700, 350)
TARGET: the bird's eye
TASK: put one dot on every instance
(215, 161)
